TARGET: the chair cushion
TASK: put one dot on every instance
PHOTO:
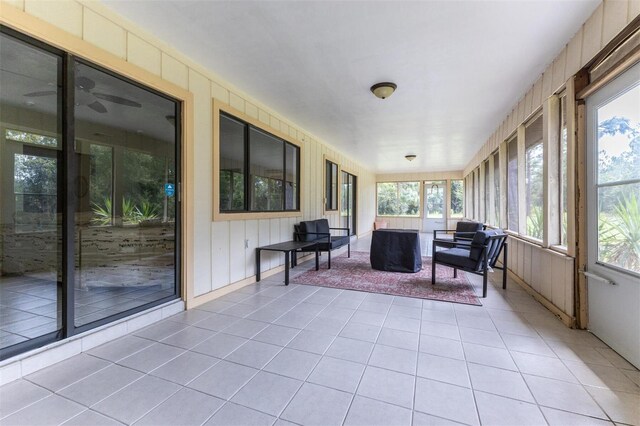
(468, 226)
(455, 257)
(336, 242)
(308, 226)
(479, 239)
(466, 230)
(322, 225)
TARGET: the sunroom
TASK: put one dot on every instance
(148, 150)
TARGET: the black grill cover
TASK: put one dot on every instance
(396, 250)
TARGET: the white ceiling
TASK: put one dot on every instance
(460, 66)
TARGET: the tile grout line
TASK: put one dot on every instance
(366, 365)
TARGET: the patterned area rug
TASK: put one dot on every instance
(355, 273)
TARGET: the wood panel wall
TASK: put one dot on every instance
(555, 283)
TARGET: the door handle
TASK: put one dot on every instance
(595, 276)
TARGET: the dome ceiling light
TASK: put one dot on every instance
(383, 90)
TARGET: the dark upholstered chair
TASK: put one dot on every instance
(319, 231)
(477, 256)
(464, 231)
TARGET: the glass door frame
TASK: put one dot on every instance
(442, 186)
(610, 287)
(68, 175)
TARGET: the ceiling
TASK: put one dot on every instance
(460, 66)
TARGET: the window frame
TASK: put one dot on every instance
(527, 147)
(450, 184)
(219, 107)
(331, 188)
(512, 141)
(563, 172)
(397, 183)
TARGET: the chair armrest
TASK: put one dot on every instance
(322, 234)
(342, 229)
(441, 231)
(449, 244)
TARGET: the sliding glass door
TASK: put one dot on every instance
(30, 196)
(348, 204)
(89, 203)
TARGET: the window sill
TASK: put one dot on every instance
(220, 217)
(560, 249)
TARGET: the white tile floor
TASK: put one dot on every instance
(269, 354)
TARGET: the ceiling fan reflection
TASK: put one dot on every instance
(85, 96)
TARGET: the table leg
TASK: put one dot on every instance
(286, 267)
(257, 264)
(317, 258)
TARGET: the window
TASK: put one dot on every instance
(617, 183)
(34, 181)
(472, 180)
(476, 193)
(259, 172)
(331, 185)
(533, 178)
(457, 198)
(232, 164)
(512, 184)
(101, 184)
(496, 188)
(399, 199)
(487, 188)
(564, 157)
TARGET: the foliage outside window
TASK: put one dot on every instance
(618, 182)
(563, 159)
(398, 199)
(31, 138)
(258, 171)
(486, 189)
(512, 184)
(457, 198)
(496, 188)
(473, 194)
(331, 185)
(34, 181)
(534, 178)
(435, 199)
(476, 193)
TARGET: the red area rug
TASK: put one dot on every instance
(355, 273)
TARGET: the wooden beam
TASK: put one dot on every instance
(551, 170)
(582, 315)
(522, 182)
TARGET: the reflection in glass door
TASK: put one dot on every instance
(348, 205)
(89, 206)
(30, 193)
(613, 198)
(126, 203)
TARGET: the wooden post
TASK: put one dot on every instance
(581, 218)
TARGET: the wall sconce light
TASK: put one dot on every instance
(383, 90)
(410, 157)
